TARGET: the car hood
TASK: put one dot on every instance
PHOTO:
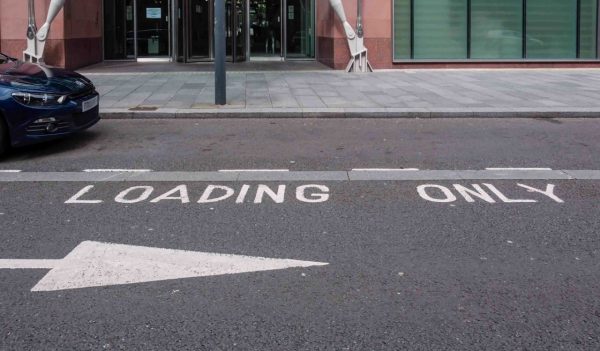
(32, 77)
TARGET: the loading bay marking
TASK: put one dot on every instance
(310, 193)
(96, 264)
(485, 193)
(258, 194)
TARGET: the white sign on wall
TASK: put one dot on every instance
(153, 13)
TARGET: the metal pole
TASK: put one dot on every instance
(359, 20)
(175, 30)
(220, 74)
(32, 28)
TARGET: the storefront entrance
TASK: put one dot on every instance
(196, 30)
(255, 30)
(137, 29)
(281, 29)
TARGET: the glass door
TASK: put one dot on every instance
(235, 27)
(118, 30)
(239, 34)
(198, 16)
(300, 24)
(230, 28)
(153, 28)
(265, 28)
(198, 25)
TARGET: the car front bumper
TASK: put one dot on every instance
(34, 125)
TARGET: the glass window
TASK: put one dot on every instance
(496, 29)
(552, 29)
(440, 29)
(402, 50)
(587, 29)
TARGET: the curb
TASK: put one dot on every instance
(341, 113)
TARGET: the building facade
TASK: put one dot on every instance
(398, 33)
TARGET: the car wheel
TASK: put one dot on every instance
(4, 138)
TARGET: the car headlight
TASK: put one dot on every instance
(39, 99)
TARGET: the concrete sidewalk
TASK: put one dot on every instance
(550, 93)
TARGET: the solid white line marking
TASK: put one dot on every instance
(10, 171)
(518, 169)
(384, 169)
(252, 170)
(95, 264)
(117, 170)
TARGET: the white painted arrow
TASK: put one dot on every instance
(95, 264)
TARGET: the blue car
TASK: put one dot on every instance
(40, 103)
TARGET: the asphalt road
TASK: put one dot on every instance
(206, 145)
(512, 269)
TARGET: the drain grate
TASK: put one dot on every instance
(144, 108)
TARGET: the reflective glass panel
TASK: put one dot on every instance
(587, 29)
(402, 29)
(496, 29)
(440, 29)
(552, 29)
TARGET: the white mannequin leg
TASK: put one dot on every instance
(339, 10)
(53, 10)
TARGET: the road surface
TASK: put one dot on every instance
(458, 234)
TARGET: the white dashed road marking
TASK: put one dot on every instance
(117, 170)
(252, 170)
(517, 169)
(266, 175)
(385, 169)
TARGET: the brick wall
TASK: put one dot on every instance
(75, 37)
